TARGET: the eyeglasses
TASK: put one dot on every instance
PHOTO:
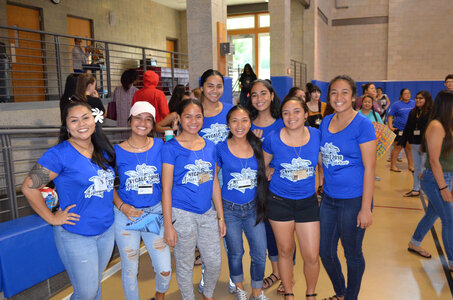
(419, 98)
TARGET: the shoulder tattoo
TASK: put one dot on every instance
(39, 176)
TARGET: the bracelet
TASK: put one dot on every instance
(119, 208)
(443, 188)
(220, 219)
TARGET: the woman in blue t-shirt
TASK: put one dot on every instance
(264, 107)
(244, 195)
(189, 182)
(81, 166)
(348, 151)
(138, 202)
(214, 127)
(292, 204)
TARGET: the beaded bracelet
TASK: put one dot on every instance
(443, 188)
(119, 208)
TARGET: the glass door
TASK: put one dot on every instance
(244, 52)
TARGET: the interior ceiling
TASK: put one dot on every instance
(181, 4)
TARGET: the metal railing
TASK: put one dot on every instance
(299, 73)
(21, 148)
(34, 64)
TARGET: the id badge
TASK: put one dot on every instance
(145, 189)
(244, 183)
(299, 175)
(400, 133)
(100, 185)
(318, 121)
(416, 132)
(203, 177)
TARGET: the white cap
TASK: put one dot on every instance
(142, 107)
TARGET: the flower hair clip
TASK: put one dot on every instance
(98, 115)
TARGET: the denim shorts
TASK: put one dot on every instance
(300, 211)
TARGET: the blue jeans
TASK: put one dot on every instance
(419, 162)
(240, 218)
(85, 259)
(339, 221)
(128, 242)
(437, 207)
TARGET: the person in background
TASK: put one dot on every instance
(82, 167)
(413, 132)
(368, 111)
(397, 118)
(449, 82)
(348, 149)
(292, 204)
(316, 107)
(122, 96)
(151, 94)
(369, 89)
(296, 92)
(86, 91)
(69, 91)
(197, 93)
(246, 79)
(170, 122)
(189, 188)
(79, 57)
(382, 100)
(437, 178)
(244, 200)
(139, 168)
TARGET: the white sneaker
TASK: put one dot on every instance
(240, 294)
(231, 287)
(201, 284)
(260, 297)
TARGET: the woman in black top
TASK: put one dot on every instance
(86, 91)
(246, 79)
(413, 131)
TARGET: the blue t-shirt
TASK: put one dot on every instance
(193, 175)
(83, 183)
(400, 112)
(140, 170)
(342, 159)
(215, 128)
(277, 125)
(239, 175)
(294, 175)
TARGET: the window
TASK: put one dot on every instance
(264, 20)
(241, 22)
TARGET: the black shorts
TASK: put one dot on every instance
(399, 138)
(300, 211)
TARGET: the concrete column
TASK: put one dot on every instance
(280, 36)
(202, 18)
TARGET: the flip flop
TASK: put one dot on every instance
(412, 194)
(395, 170)
(419, 253)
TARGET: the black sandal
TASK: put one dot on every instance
(288, 294)
(334, 297)
(311, 295)
(270, 281)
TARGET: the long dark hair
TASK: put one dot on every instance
(176, 97)
(256, 144)
(275, 103)
(82, 83)
(101, 144)
(442, 112)
(428, 106)
(69, 90)
(372, 107)
(311, 88)
(127, 78)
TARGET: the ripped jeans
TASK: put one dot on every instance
(128, 242)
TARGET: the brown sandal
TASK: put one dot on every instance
(269, 281)
(281, 289)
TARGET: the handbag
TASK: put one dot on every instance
(147, 222)
(111, 110)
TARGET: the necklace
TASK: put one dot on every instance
(139, 148)
(82, 149)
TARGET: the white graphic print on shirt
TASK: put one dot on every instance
(296, 165)
(216, 133)
(200, 167)
(143, 175)
(244, 175)
(330, 156)
(103, 179)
